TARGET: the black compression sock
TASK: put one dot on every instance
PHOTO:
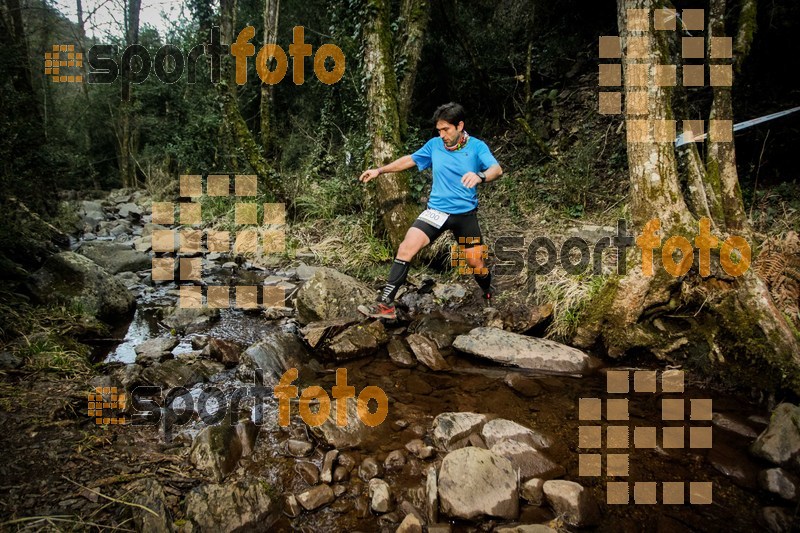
(485, 282)
(397, 277)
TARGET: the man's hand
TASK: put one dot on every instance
(369, 174)
(470, 179)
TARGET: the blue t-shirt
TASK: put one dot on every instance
(447, 193)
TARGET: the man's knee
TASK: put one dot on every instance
(407, 250)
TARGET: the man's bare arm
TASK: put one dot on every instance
(398, 165)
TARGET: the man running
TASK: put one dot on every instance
(460, 163)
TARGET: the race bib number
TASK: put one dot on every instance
(433, 217)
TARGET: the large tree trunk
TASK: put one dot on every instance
(721, 159)
(391, 198)
(238, 134)
(415, 15)
(690, 319)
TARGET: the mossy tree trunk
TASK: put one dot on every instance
(415, 15)
(705, 320)
(271, 13)
(391, 197)
(241, 139)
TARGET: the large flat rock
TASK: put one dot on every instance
(510, 348)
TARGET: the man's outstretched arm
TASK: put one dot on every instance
(398, 165)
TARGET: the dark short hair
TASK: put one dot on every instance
(452, 113)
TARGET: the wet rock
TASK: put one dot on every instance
(174, 373)
(155, 350)
(216, 450)
(305, 272)
(450, 430)
(777, 519)
(130, 210)
(357, 341)
(348, 460)
(395, 460)
(418, 430)
(188, 319)
(127, 375)
(522, 384)
(326, 472)
(410, 524)
(419, 303)
(527, 460)
(418, 448)
(330, 294)
(76, 280)
(432, 495)
(525, 352)
(149, 494)
(380, 496)
(274, 355)
(308, 471)
(225, 352)
(291, 507)
(316, 497)
(200, 341)
(574, 502)
(440, 328)
(780, 442)
(340, 474)
(351, 435)
(92, 213)
(116, 257)
(245, 505)
(475, 483)
(247, 432)
(149, 228)
(498, 429)
(522, 318)
(450, 292)
(778, 481)
(143, 244)
(370, 468)
(729, 423)
(129, 279)
(299, 448)
(533, 491)
(339, 490)
(426, 352)
(316, 332)
(399, 354)
(734, 464)
(439, 528)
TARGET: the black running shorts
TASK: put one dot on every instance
(462, 225)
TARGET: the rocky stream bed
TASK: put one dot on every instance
(481, 430)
